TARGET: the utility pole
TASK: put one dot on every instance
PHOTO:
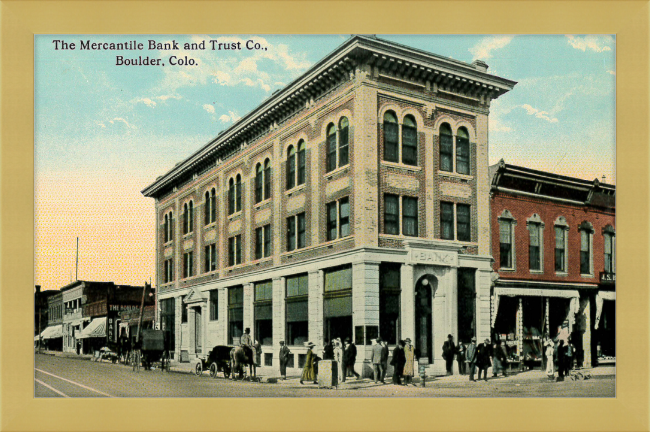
(144, 293)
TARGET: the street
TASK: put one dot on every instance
(56, 376)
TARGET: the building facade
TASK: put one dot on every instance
(52, 336)
(352, 203)
(73, 321)
(553, 240)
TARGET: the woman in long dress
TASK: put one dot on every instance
(550, 352)
(338, 356)
(308, 373)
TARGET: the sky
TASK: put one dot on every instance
(104, 131)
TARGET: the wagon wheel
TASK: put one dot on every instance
(213, 370)
(198, 370)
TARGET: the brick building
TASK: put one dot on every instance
(352, 203)
(553, 240)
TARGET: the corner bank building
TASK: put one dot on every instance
(352, 203)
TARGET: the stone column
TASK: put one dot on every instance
(407, 310)
(315, 305)
(205, 315)
(483, 284)
(482, 185)
(586, 336)
(178, 327)
(191, 329)
(278, 319)
(248, 308)
(365, 301)
(222, 330)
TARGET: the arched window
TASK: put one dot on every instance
(190, 224)
(259, 183)
(391, 137)
(291, 167)
(166, 229)
(344, 141)
(213, 205)
(301, 162)
(206, 208)
(267, 179)
(238, 196)
(331, 148)
(462, 151)
(409, 141)
(186, 219)
(170, 236)
(231, 196)
(446, 148)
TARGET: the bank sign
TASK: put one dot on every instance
(433, 257)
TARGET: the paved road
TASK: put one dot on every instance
(67, 377)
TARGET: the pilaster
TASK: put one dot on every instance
(278, 319)
(248, 308)
(407, 311)
(315, 305)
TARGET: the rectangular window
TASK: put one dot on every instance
(389, 301)
(214, 305)
(297, 286)
(264, 312)
(213, 207)
(168, 320)
(609, 252)
(231, 198)
(168, 273)
(302, 227)
(463, 227)
(239, 186)
(210, 258)
(338, 279)
(183, 310)
(267, 182)
(291, 170)
(337, 303)
(301, 166)
(560, 252)
(505, 247)
(331, 152)
(344, 217)
(534, 248)
(188, 264)
(446, 153)
(410, 216)
(391, 141)
(462, 155)
(343, 146)
(331, 220)
(235, 314)
(391, 214)
(409, 145)
(259, 243)
(291, 233)
(447, 221)
(259, 185)
(297, 316)
(234, 250)
(585, 253)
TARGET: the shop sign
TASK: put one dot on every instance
(431, 257)
(607, 278)
(120, 308)
(110, 328)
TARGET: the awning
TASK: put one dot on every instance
(53, 332)
(536, 292)
(96, 328)
(79, 322)
(600, 296)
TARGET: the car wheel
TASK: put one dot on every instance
(213, 370)
(198, 370)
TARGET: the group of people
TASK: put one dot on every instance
(475, 357)
(564, 356)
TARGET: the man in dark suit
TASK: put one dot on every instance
(448, 352)
(384, 359)
(349, 358)
(483, 354)
(471, 358)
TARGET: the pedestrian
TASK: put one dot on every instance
(258, 353)
(409, 366)
(338, 357)
(328, 351)
(384, 359)
(471, 358)
(499, 359)
(570, 355)
(398, 362)
(448, 353)
(460, 358)
(504, 358)
(375, 359)
(550, 353)
(246, 341)
(561, 360)
(349, 358)
(483, 354)
(308, 372)
(284, 359)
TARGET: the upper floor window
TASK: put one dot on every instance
(234, 194)
(263, 242)
(168, 270)
(410, 216)
(409, 211)
(263, 181)
(534, 247)
(296, 232)
(609, 249)
(188, 264)
(188, 217)
(168, 227)
(337, 150)
(234, 250)
(214, 305)
(296, 165)
(462, 151)
(338, 219)
(391, 214)
(505, 244)
(561, 243)
(210, 257)
(391, 137)
(446, 148)
(586, 246)
(455, 221)
(210, 207)
(409, 141)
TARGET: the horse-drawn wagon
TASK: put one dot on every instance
(218, 360)
(153, 349)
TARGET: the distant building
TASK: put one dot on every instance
(554, 246)
(41, 309)
(52, 336)
(353, 203)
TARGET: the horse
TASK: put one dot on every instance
(240, 356)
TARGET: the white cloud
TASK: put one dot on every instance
(591, 42)
(209, 108)
(483, 49)
(100, 124)
(121, 120)
(496, 125)
(611, 72)
(231, 117)
(539, 114)
(151, 102)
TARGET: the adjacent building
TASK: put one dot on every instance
(52, 336)
(353, 203)
(554, 249)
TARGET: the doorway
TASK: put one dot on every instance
(424, 319)
(198, 345)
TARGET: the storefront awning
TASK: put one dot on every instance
(600, 297)
(96, 328)
(574, 295)
(53, 332)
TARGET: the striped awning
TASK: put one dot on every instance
(53, 332)
(96, 328)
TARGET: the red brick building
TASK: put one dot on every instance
(553, 243)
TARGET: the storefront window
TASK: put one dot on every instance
(337, 303)
(235, 314)
(297, 312)
(264, 312)
(389, 301)
(466, 304)
(168, 318)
